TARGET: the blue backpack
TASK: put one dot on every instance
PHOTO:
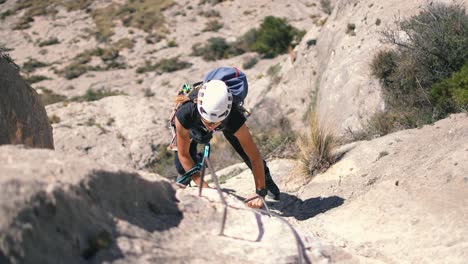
(235, 80)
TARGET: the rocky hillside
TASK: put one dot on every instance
(95, 57)
(106, 72)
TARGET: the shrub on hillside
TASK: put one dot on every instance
(32, 64)
(249, 63)
(49, 97)
(326, 6)
(215, 49)
(274, 37)
(432, 48)
(163, 164)
(164, 65)
(51, 41)
(451, 95)
(94, 95)
(213, 25)
(36, 78)
(79, 66)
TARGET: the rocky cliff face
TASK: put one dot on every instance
(57, 208)
(23, 119)
(331, 72)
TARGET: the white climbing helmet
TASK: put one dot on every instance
(214, 101)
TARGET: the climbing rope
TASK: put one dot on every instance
(303, 258)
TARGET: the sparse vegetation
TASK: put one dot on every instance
(210, 13)
(215, 49)
(378, 21)
(274, 73)
(152, 38)
(326, 6)
(423, 78)
(213, 2)
(94, 95)
(316, 148)
(276, 139)
(172, 43)
(101, 241)
(275, 36)
(54, 119)
(213, 25)
(148, 92)
(79, 66)
(250, 63)
(49, 97)
(44, 7)
(51, 41)
(350, 29)
(23, 23)
(124, 43)
(164, 65)
(6, 14)
(163, 164)
(32, 64)
(36, 78)
(145, 15)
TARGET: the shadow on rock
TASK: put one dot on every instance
(291, 206)
(79, 223)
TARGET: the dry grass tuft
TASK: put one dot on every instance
(316, 148)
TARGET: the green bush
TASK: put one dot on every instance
(451, 95)
(274, 37)
(415, 77)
